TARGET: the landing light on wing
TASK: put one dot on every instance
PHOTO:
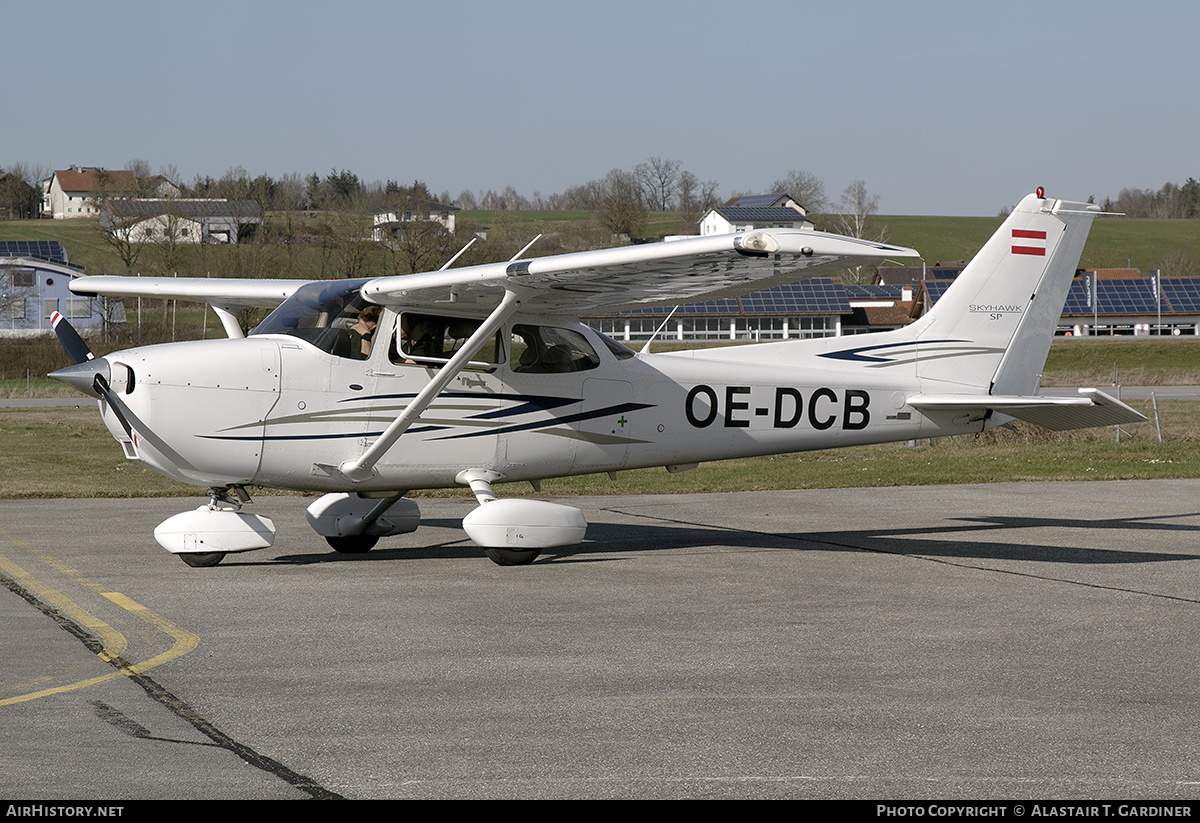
(757, 243)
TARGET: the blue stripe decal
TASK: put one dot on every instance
(558, 421)
(857, 354)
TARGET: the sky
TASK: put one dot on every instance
(940, 108)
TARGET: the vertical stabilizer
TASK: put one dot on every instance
(992, 329)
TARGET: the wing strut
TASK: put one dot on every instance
(363, 467)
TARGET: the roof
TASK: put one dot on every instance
(89, 179)
(418, 204)
(762, 208)
(742, 214)
(146, 208)
(759, 201)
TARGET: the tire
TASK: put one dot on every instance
(512, 557)
(200, 560)
(353, 544)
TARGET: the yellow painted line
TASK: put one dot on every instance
(113, 642)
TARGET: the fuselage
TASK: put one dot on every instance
(284, 410)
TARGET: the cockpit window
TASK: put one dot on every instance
(431, 340)
(549, 350)
(620, 352)
(332, 316)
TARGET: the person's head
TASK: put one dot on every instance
(369, 316)
(413, 326)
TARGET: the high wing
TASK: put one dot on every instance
(668, 273)
(226, 296)
(216, 291)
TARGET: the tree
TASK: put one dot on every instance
(121, 231)
(20, 192)
(622, 207)
(658, 179)
(856, 209)
(806, 189)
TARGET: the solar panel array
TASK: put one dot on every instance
(39, 249)
(936, 288)
(818, 295)
(1182, 294)
(877, 292)
(1118, 296)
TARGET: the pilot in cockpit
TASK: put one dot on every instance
(363, 332)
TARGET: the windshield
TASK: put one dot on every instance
(331, 315)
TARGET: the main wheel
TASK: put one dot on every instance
(353, 544)
(512, 557)
(199, 560)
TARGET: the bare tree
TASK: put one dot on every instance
(12, 294)
(622, 208)
(805, 188)
(856, 209)
(658, 178)
(142, 178)
(20, 190)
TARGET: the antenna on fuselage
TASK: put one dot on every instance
(646, 348)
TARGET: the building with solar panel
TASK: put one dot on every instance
(181, 220)
(77, 191)
(1109, 302)
(817, 307)
(1100, 303)
(35, 279)
(755, 211)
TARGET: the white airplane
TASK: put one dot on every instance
(484, 374)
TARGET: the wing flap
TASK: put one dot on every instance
(1091, 408)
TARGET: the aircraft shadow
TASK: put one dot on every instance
(607, 542)
(933, 541)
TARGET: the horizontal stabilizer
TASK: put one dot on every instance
(1091, 408)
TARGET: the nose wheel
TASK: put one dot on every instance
(201, 560)
(353, 544)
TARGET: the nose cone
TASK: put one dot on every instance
(82, 376)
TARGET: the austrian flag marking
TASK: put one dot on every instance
(1027, 241)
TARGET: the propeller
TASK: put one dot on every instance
(88, 372)
(70, 339)
(88, 375)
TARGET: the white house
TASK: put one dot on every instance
(755, 211)
(389, 223)
(187, 220)
(75, 192)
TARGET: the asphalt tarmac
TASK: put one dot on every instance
(1025, 640)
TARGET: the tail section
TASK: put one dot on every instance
(992, 329)
(981, 350)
